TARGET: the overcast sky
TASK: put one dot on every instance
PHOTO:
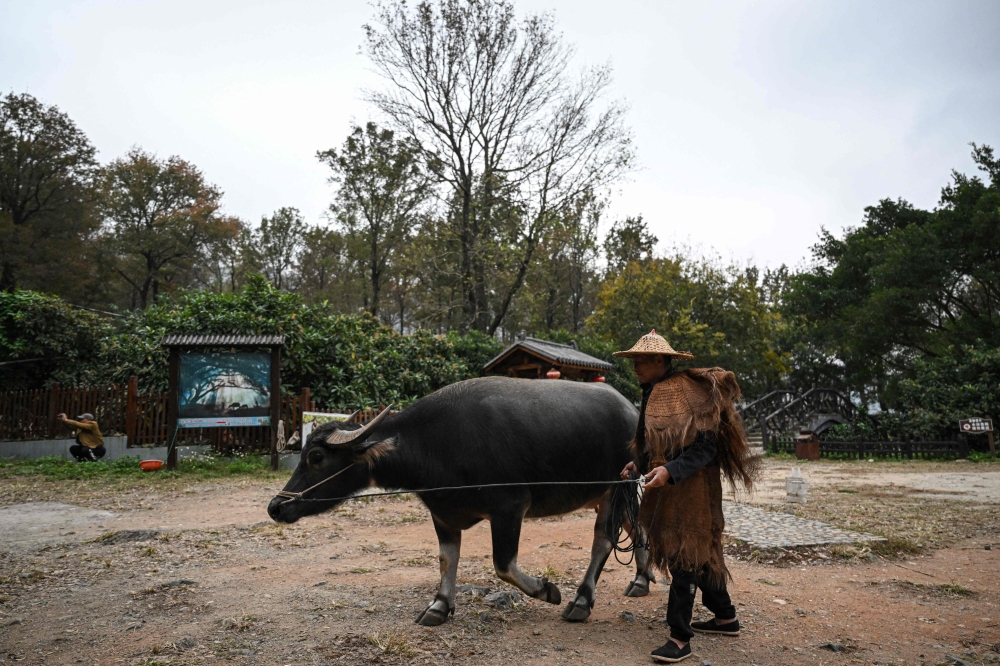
(756, 124)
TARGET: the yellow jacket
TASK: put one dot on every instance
(88, 433)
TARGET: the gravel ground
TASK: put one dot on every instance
(193, 574)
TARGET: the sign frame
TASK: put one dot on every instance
(979, 425)
(176, 344)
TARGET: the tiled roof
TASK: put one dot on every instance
(554, 352)
(222, 340)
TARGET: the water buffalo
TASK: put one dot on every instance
(483, 431)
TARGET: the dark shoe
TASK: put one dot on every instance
(713, 627)
(670, 653)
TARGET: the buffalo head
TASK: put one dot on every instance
(336, 462)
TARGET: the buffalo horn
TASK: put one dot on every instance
(345, 437)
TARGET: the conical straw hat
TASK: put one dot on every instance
(652, 344)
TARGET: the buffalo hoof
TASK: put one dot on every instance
(432, 617)
(549, 593)
(577, 610)
(639, 587)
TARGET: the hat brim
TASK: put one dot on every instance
(634, 354)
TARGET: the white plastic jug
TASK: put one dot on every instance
(796, 487)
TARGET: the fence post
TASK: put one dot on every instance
(172, 405)
(275, 403)
(130, 411)
(963, 445)
(304, 406)
(763, 432)
(53, 409)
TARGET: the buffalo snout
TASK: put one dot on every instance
(274, 509)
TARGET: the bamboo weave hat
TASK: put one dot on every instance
(652, 344)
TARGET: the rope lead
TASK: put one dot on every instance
(623, 508)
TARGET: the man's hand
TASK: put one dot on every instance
(627, 472)
(62, 417)
(658, 477)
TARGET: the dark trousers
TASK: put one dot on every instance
(86, 454)
(680, 605)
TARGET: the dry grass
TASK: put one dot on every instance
(391, 642)
(416, 561)
(240, 624)
(909, 521)
(550, 572)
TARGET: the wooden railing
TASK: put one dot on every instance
(869, 449)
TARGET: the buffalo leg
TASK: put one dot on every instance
(443, 605)
(506, 532)
(579, 609)
(639, 587)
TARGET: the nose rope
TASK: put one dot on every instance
(297, 496)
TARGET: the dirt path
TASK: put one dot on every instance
(217, 582)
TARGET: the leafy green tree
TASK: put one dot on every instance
(159, 215)
(45, 340)
(223, 264)
(47, 170)
(275, 245)
(382, 188)
(329, 271)
(905, 285)
(720, 314)
(938, 391)
(628, 240)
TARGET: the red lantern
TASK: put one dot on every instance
(553, 374)
(599, 379)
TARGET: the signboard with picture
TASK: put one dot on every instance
(223, 380)
(217, 390)
(312, 419)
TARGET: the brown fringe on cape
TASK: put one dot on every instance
(684, 521)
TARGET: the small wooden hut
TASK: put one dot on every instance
(535, 359)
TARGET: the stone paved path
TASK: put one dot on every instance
(768, 529)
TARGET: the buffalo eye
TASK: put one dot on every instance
(315, 457)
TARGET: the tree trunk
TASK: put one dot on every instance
(8, 280)
(467, 243)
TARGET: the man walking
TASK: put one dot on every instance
(89, 441)
(689, 436)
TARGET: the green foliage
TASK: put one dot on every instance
(346, 360)
(720, 314)
(628, 240)
(907, 284)
(937, 392)
(475, 348)
(47, 169)
(382, 187)
(159, 216)
(67, 339)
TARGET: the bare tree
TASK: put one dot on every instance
(493, 99)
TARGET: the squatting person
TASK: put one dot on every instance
(689, 436)
(89, 440)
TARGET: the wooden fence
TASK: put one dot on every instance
(28, 415)
(122, 410)
(866, 449)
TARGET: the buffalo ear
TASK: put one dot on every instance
(370, 452)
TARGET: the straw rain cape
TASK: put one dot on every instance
(684, 521)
